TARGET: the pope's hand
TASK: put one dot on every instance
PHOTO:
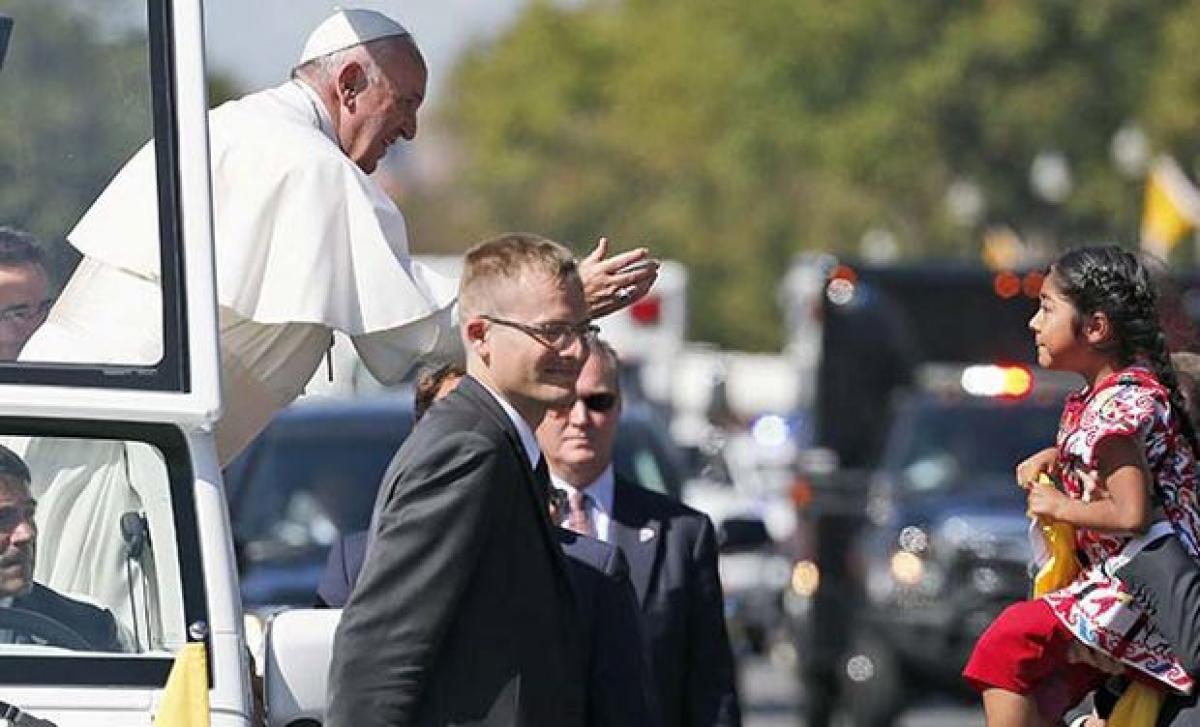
(609, 285)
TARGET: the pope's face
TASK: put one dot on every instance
(386, 109)
(18, 537)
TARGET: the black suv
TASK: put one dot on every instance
(945, 544)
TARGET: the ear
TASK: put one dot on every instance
(351, 81)
(476, 330)
(1098, 330)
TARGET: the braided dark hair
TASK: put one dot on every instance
(1115, 282)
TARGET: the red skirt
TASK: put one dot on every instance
(1025, 651)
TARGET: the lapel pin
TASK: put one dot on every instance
(645, 534)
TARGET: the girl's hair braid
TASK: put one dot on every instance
(1115, 282)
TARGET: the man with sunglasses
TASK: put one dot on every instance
(31, 613)
(24, 291)
(464, 611)
(671, 549)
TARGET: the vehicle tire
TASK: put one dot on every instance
(871, 689)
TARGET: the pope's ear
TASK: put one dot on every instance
(351, 81)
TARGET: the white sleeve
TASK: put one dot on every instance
(389, 354)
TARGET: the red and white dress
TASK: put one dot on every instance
(1095, 608)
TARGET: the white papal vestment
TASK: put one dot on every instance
(306, 244)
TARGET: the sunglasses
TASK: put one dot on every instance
(601, 402)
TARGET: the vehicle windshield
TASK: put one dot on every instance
(85, 89)
(89, 549)
(944, 445)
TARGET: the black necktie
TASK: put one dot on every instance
(541, 476)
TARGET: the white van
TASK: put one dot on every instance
(132, 524)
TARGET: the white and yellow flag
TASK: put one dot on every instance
(185, 698)
(1171, 208)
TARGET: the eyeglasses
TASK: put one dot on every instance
(558, 336)
(599, 402)
(24, 312)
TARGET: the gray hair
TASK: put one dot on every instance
(324, 69)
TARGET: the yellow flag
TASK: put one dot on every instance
(185, 698)
(1062, 567)
(1171, 208)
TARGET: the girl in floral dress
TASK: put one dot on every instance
(1126, 461)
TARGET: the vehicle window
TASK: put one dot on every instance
(646, 456)
(101, 579)
(80, 102)
(951, 446)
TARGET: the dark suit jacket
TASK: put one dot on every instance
(619, 693)
(463, 613)
(96, 625)
(672, 554)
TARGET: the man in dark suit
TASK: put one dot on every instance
(618, 693)
(463, 613)
(671, 549)
(31, 612)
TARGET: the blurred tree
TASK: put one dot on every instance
(76, 90)
(732, 135)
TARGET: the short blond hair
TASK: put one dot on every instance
(503, 260)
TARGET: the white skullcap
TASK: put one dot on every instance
(347, 28)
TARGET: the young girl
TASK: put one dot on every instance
(1097, 318)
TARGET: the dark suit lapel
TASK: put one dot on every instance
(482, 398)
(638, 535)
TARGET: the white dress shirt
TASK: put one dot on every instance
(599, 502)
(528, 440)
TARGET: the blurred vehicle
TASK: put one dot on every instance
(944, 547)
(312, 476)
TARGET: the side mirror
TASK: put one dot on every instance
(298, 648)
(742, 533)
(6, 24)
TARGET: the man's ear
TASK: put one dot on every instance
(476, 330)
(1098, 330)
(351, 81)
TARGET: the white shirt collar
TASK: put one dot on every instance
(324, 120)
(600, 491)
(528, 440)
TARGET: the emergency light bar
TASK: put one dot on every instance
(997, 381)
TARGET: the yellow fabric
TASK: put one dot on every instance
(1168, 208)
(1137, 707)
(1063, 566)
(185, 698)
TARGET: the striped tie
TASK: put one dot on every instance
(579, 515)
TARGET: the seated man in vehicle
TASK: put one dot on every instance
(30, 613)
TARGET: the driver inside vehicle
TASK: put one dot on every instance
(31, 613)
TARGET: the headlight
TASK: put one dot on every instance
(806, 578)
(907, 569)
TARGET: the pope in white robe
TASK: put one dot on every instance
(306, 243)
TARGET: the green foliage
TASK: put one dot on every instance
(732, 135)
